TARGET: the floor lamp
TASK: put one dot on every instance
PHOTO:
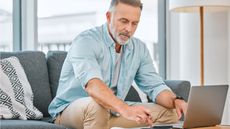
(200, 6)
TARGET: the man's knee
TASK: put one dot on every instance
(161, 114)
(96, 116)
(96, 110)
(167, 116)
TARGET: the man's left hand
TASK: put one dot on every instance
(181, 107)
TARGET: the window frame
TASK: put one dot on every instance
(17, 30)
(162, 37)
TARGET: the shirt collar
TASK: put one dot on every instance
(109, 40)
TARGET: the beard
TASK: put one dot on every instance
(121, 38)
(123, 34)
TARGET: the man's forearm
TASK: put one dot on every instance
(166, 98)
(103, 95)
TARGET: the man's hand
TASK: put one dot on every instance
(105, 97)
(167, 99)
(139, 114)
(181, 107)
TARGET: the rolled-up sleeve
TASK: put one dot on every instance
(83, 57)
(146, 77)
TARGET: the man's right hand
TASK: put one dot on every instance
(140, 114)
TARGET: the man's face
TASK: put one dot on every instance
(122, 22)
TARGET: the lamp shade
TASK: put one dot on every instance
(193, 5)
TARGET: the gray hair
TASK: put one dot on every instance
(134, 3)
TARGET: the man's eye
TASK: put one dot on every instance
(124, 21)
(135, 24)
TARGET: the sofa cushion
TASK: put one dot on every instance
(133, 95)
(55, 60)
(16, 96)
(34, 64)
(28, 124)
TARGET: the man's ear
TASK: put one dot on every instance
(108, 17)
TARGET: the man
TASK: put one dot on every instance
(99, 70)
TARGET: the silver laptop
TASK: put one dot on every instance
(205, 107)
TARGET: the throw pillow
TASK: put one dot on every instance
(16, 96)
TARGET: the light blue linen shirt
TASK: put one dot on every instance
(92, 55)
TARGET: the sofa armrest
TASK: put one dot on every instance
(179, 87)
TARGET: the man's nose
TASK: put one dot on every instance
(129, 27)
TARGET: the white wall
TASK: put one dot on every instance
(228, 100)
(226, 117)
(184, 50)
(216, 63)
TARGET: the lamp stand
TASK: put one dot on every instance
(202, 46)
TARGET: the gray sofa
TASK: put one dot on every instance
(43, 73)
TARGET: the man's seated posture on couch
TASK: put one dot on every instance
(99, 70)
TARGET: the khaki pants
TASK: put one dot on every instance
(85, 113)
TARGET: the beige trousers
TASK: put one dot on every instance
(85, 113)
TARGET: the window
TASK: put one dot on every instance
(6, 25)
(59, 25)
(60, 21)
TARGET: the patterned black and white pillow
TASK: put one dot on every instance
(16, 96)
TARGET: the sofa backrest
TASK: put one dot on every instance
(55, 60)
(34, 64)
(179, 87)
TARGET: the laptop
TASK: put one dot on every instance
(205, 107)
